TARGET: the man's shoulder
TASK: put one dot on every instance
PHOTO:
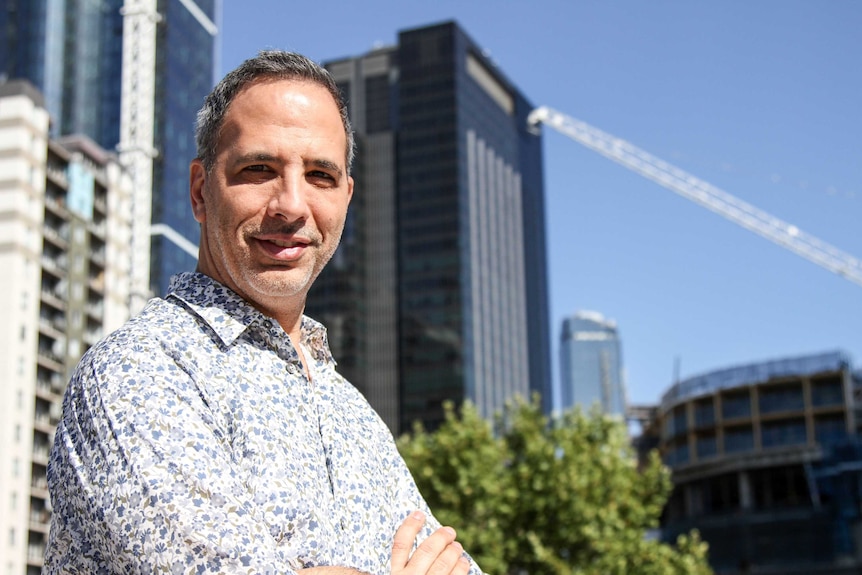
(161, 326)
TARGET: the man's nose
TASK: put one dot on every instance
(288, 200)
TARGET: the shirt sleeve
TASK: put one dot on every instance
(141, 481)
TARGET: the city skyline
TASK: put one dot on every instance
(755, 99)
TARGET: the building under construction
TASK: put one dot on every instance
(767, 464)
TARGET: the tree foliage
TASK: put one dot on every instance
(562, 497)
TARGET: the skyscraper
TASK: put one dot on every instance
(591, 364)
(439, 292)
(130, 75)
(72, 52)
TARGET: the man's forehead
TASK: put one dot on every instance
(310, 88)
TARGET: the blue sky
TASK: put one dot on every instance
(760, 99)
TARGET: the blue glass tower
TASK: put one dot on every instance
(185, 68)
(591, 364)
(72, 52)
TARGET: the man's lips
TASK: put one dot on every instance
(281, 248)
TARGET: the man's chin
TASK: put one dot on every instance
(282, 283)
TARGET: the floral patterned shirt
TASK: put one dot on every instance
(192, 442)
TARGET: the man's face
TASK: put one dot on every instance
(272, 208)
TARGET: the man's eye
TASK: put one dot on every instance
(256, 168)
(319, 174)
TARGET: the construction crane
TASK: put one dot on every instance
(738, 211)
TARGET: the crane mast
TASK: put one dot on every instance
(734, 209)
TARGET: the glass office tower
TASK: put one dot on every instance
(591, 360)
(184, 72)
(449, 217)
(73, 51)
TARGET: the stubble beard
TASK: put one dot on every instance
(292, 280)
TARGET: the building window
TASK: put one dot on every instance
(779, 487)
(738, 439)
(677, 454)
(783, 432)
(706, 446)
(776, 398)
(680, 421)
(826, 392)
(722, 494)
(735, 405)
(830, 428)
(704, 414)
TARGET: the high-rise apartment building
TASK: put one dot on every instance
(439, 290)
(591, 364)
(130, 75)
(65, 236)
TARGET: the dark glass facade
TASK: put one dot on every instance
(184, 76)
(449, 175)
(463, 141)
(71, 51)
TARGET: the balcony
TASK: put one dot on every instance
(54, 298)
(56, 265)
(57, 174)
(35, 553)
(41, 451)
(56, 237)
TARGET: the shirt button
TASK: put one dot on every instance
(291, 369)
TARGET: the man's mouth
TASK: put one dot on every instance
(283, 249)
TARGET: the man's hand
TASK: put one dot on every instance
(439, 554)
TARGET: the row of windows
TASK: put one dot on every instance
(825, 392)
(739, 439)
(770, 488)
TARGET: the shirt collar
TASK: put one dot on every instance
(229, 315)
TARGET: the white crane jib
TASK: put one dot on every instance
(736, 210)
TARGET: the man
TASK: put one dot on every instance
(211, 433)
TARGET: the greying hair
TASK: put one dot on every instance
(267, 65)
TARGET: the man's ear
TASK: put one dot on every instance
(349, 188)
(197, 182)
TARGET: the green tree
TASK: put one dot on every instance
(562, 497)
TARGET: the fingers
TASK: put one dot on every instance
(449, 561)
(439, 554)
(435, 553)
(405, 536)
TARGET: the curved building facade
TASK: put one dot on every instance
(761, 456)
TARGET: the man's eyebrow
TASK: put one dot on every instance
(326, 165)
(254, 157)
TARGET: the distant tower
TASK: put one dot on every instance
(591, 361)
